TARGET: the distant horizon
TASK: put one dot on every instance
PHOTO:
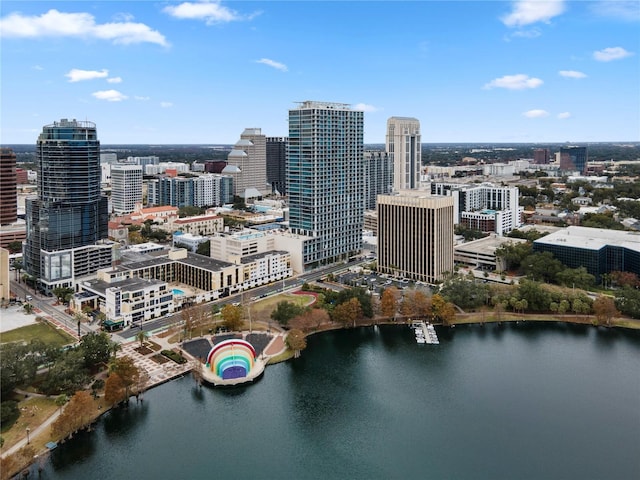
(181, 72)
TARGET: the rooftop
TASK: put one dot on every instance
(592, 238)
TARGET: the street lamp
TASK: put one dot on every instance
(28, 439)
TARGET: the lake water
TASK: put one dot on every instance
(539, 401)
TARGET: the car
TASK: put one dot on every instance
(236, 304)
(29, 298)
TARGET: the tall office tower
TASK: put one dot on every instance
(405, 151)
(325, 180)
(68, 220)
(8, 193)
(277, 164)
(541, 156)
(573, 159)
(378, 177)
(247, 163)
(126, 187)
(415, 235)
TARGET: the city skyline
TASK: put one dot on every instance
(200, 72)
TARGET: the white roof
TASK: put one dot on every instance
(592, 238)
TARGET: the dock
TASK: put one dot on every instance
(425, 333)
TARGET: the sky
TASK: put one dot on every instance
(200, 72)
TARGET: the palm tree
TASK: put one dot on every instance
(141, 336)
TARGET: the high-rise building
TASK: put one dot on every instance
(485, 207)
(325, 180)
(212, 190)
(541, 156)
(8, 193)
(378, 176)
(573, 159)
(126, 187)
(415, 235)
(277, 164)
(405, 151)
(247, 163)
(68, 220)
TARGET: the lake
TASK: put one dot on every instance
(526, 400)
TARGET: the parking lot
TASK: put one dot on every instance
(376, 283)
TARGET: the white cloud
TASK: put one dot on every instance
(137, 97)
(514, 82)
(365, 107)
(536, 113)
(77, 75)
(114, 80)
(611, 53)
(526, 12)
(166, 104)
(82, 25)
(109, 95)
(37, 67)
(210, 12)
(530, 33)
(572, 74)
(620, 9)
(273, 63)
(564, 115)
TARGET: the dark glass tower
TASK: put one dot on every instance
(69, 211)
(277, 164)
(573, 159)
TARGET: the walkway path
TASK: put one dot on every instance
(33, 434)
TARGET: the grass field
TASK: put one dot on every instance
(42, 331)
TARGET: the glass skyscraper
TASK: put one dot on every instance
(69, 212)
(325, 180)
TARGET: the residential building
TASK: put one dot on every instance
(197, 225)
(415, 235)
(126, 187)
(325, 180)
(378, 176)
(247, 163)
(67, 222)
(404, 147)
(174, 191)
(277, 164)
(599, 250)
(483, 206)
(212, 190)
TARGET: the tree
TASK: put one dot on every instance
(232, 317)
(441, 310)
(575, 277)
(604, 308)
(18, 265)
(28, 308)
(389, 302)
(296, 341)
(61, 400)
(114, 391)
(67, 375)
(96, 348)
(61, 293)
(625, 279)
(465, 292)
(285, 311)
(628, 301)
(14, 247)
(141, 336)
(513, 254)
(127, 371)
(347, 313)
(76, 415)
(535, 294)
(189, 211)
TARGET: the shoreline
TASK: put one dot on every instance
(462, 319)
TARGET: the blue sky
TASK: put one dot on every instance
(200, 72)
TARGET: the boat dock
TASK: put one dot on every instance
(425, 333)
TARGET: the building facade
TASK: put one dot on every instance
(378, 177)
(247, 162)
(415, 235)
(126, 187)
(277, 164)
(325, 180)
(67, 222)
(404, 146)
(8, 192)
(483, 206)
(573, 159)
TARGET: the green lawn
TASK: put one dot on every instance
(43, 331)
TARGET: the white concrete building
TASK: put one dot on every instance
(403, 144)
(126, 187)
